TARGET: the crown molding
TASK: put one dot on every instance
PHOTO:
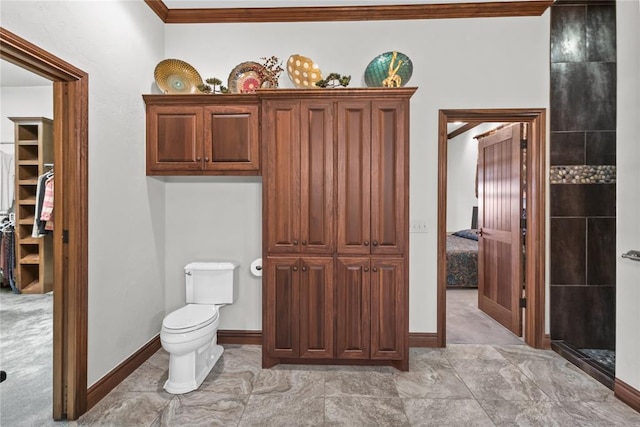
(349, 13)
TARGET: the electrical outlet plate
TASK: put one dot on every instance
(418, 226)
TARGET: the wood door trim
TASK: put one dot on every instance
(534, 333)
(348, 13)
(70, 110)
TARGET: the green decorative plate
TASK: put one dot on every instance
(390, 69)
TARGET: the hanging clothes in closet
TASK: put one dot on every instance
(7, 254)
(7, 174)
(43, 218)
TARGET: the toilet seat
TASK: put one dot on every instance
(190, 318)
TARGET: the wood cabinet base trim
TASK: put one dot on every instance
(107, 383)
(423, 339)
(626, 393)
(226, 336)
(546, 342)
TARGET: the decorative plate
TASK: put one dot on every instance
(246, 77)
(390, 69)
(303, 72)
(176, 76)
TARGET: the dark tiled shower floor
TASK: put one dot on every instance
(607, 358)
(600, 364)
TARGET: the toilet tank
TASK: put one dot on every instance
(211, 282)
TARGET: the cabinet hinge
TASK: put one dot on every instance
(65, 236)
(523, 223)
(523, 303)
(523, 144)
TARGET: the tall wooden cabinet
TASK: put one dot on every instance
(33, 154)
(335, 221)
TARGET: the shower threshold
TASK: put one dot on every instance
(598, 363)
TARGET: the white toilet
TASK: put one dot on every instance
(189, 334)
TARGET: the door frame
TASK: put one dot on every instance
(534, 334)
(70, 130)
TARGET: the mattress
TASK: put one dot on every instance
(462, 262)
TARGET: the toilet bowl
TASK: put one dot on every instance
(189, 334)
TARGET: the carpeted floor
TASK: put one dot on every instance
(26, 355)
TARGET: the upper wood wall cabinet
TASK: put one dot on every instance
(202, 135)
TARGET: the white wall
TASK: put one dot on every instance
(142, 230)
(216, 218)
(118, 44)
(458, 63)
(628, 197)
(36, 101)
(462, 159)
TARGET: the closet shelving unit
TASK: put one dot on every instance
(34, 255)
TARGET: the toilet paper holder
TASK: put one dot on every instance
(256, 267)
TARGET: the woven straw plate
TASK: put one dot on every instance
(176, 76)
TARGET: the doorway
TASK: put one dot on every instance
(535, 201)
(70, 243)
(490, 319)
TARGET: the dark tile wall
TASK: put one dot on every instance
(583, 124)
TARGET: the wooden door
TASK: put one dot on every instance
(316, 178)
(354, 177)
(388, 308)
(281, 177)
(316, 307)
(231, 138)
(389, 179)
(174, 138)
(499, 244)
(282, 292)
(353, 308)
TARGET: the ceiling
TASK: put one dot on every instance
(13, 76)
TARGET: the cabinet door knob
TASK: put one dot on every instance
(198, 158)
(304, 242)
(206, 159)
(366, 269)
(295, 242)
(375, 243)
(304, 268)
(295, 268)
(374, 269)
(366, 243)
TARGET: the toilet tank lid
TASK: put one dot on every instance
(213, 265)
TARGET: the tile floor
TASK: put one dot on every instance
(472, 383)
(461, 385)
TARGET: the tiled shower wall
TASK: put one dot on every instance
(582, 182)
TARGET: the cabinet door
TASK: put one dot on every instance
(316, 307)
(174, 138)
(316, 177)
(231, 138)
(353, 308)
(354, 177)
(281, 178)
(282, 319)
(389, 177)
(388, 308)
